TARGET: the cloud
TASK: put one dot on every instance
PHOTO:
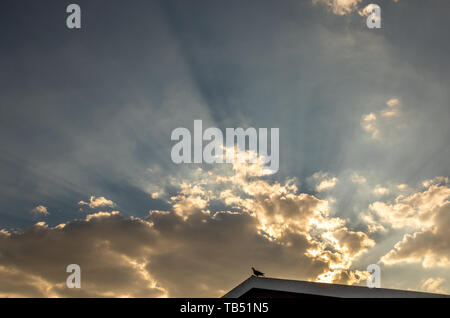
(382, 123)
(155, 195)
(434, 285)
(40, 210)
(380, 190)
(324, 181)
(368, 123)
(344, 7)
(392, 109)
(393, 102)
(427, 213)
(107, 247)
(340, 7)
(98, 202)
(191, 249)
(357, 178)
(389, 112)
(343, 277)
(429, 247)
(417, 211)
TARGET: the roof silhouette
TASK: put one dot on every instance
(261, 286)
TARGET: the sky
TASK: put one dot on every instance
(85, 162)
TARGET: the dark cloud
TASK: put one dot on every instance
(202, 256)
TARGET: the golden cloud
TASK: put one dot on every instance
(192, 249)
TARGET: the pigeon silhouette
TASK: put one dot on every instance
(257, 273)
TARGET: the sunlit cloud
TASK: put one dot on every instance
(368, 123)
(40, 210)
(340, 7)
(392, 109)
(160, 255)
(427, 213)
(357, 178)
(380, 190)
(434, 285)
(393, 102)
(324, 181)
(98, 202)
(380, 124)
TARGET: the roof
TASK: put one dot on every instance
(280, 288)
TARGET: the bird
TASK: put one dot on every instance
(257, 272)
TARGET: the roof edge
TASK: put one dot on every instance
(323, 289)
